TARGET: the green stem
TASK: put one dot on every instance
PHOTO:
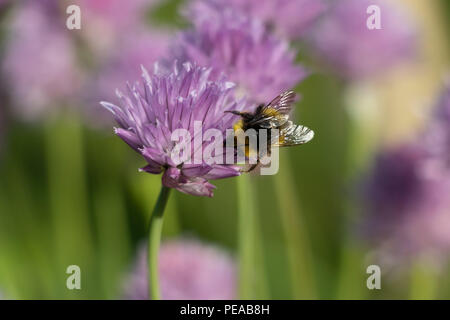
(68, 198)
(252, 280)
(246, 237)
(154, 239)
(361, 107)
(352, 275)
(262, 288)
(423, 282)
(296, 235)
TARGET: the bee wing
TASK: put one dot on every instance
(275, 113)
(283, 103)
(292, 135)
(268, 121)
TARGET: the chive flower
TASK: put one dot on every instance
(189, 270)
(40, 61)
(176, 99)
(406, 194)
(345, 44)
(144, 48)
(261, 64)
(438, 136)
(288, 18)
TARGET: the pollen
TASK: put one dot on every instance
(271, 112)
(238, 125)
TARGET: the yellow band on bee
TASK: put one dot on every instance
(238, 125)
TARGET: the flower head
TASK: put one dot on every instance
(442, 113)
(406, 195)
(2, 130)
(438, 135)
(289, 18)
(110, 21)
(121, 13)
(166, 102)
(189, 270)
(396, 184)
(119, 38)
(343, 40)
(408, 211)
(408, 208)
(145, 48)
(3, 3)
(260, 64)
(40, 60)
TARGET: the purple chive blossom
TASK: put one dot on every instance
(178, 99)
(443, 109)
(345, 43)
(395, 185)
(189, 270)
(289, 18)
(404, 206)
(2, 130)
(143, 49)
(40, 59)
(407, 202)
(260, 64)
(117, 55)
(438, 136)
(108, 22)
(408, 209)
(117, 14)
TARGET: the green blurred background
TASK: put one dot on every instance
(70, 194)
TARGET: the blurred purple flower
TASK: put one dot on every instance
(408, 208)
(4, 2)
(396, 184)
(442, 114)
(170, 101)
(2, 129)
(40, 60)
(260, 64)
(438, 135)
(115, 55)
(189, 270)
(344, 42)
(124, 13)
(144, 48)
(107, 22)
(289, 18)
(117, 15)
(407, 193)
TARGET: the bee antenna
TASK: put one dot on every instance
(238, 113)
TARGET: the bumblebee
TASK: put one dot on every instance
(274, 115)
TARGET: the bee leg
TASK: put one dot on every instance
(252, 167)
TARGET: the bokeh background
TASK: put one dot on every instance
(70, 191)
